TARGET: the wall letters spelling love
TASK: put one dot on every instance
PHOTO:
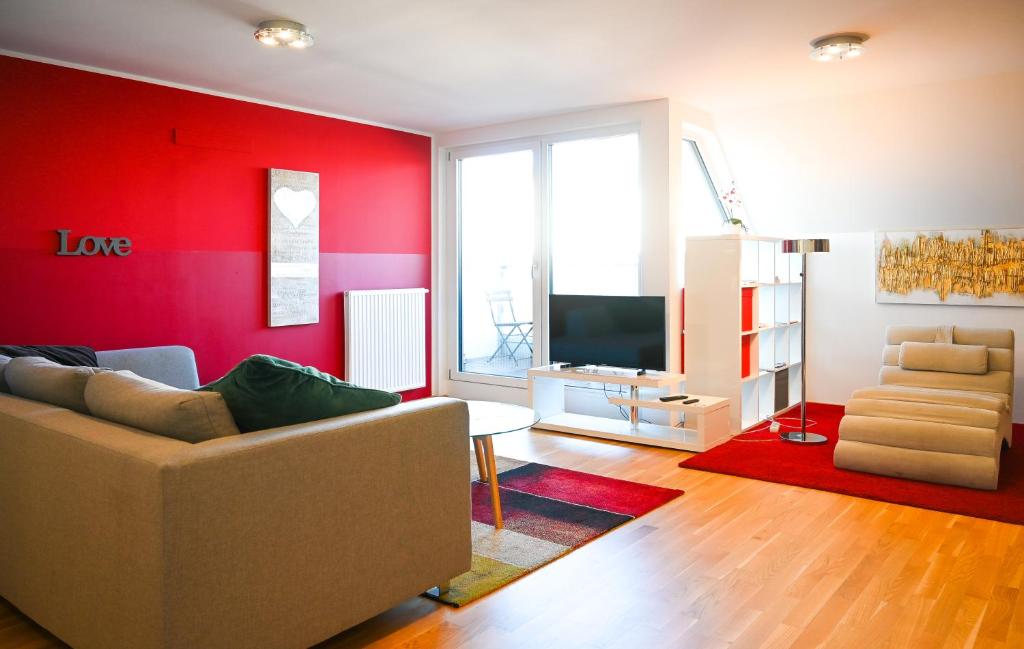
(89, 246)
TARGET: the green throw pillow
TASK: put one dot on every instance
(266, 392)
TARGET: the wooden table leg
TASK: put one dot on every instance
(492, 472)
(481, 461)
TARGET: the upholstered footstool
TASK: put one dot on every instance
(946, 436)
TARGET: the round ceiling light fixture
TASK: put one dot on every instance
(274, 33)
(837, 47)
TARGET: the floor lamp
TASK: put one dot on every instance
(803, 247)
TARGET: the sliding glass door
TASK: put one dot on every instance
(525, 219)
(498, 276)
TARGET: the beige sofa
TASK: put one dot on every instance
(941, 411)
(111, 537)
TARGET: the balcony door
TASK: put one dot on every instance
(559, 214)
(497, 324)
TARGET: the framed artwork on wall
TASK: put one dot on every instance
(978, 267)
(294, 248)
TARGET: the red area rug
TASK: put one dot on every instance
(762, 456)
(548, 513)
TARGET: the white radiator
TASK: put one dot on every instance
(386, 339)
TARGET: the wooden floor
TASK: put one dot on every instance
(733, 563)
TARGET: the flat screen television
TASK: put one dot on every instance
(620, 331)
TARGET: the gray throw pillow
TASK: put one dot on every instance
(127, 398)
(3, 364)
(39, 379)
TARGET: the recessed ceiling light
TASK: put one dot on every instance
(274, 33)
(837, 47)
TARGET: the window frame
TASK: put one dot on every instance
(575, 136)
(712, 158)
(452, 228)
(716, 193)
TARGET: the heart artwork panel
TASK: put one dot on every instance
(293, 253)
(295, 205)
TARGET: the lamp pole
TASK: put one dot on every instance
(803, 247)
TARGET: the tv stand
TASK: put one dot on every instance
(547, 398)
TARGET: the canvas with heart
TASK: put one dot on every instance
(294, 219)
(295, 205)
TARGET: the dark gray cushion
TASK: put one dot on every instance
(74, 355)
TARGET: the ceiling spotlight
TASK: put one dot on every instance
(274, 33)
(837, 47)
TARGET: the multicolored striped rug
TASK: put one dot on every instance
(548, 513)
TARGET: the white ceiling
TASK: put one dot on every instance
(438, 65)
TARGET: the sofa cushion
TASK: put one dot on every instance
(126, 398)
(1000, 382)
(987, 400)
(920, 435)
(975, 471)
(919, 411)
(173, 365)
(43, 380)
(3, 365)
(267, 392)
(999, 338)
(941, 357)
(75, 355)
(896, 334)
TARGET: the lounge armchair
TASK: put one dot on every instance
(941, 411)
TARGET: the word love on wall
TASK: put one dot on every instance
(90, 246)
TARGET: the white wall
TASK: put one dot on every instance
(941, 155)
(949, 154)
(846, 329)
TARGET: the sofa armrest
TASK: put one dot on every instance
(81, 524)
(285, 537)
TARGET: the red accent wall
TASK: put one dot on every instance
(98, 155)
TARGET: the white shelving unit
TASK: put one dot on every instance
(719, 269)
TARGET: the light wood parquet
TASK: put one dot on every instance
(733, 564)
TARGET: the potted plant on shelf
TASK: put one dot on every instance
(731, 202)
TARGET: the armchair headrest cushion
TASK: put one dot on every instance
(944, 357)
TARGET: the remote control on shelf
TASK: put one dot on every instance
(689, 401)
(678, 397)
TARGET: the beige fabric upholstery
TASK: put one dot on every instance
(972, 471)
(907, 333)
(944, 357)
(126, 398)
(43, 380)
(927, 422)
(998, 359)
(870, 426)
(989, 400)
(1001, 382)
(1002, 338)
(113, 537)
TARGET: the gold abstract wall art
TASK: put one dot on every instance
(965, 267)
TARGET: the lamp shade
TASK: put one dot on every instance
(804, 246)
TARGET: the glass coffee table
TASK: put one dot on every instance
(487, 419)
